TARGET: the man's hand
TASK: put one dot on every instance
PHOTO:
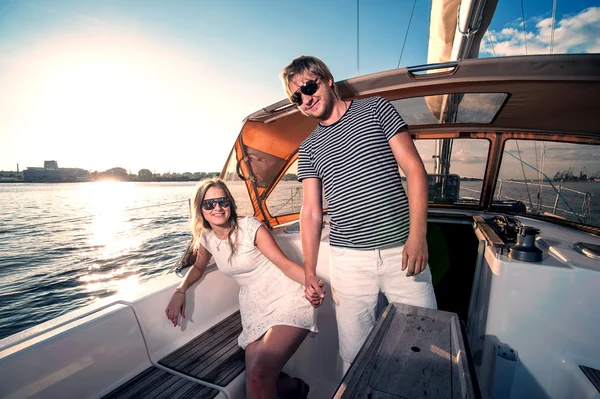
(414, 256)
(314, 291)
(176, 304)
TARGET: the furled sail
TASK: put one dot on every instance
(455, 33)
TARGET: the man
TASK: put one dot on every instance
(376, 243)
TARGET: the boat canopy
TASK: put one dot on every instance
(549, 95)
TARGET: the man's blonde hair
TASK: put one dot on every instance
(305, 64)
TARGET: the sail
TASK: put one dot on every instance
(457, 28)
(442, 30)
(455, 33)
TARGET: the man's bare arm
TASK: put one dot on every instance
(311, 219)
(415, 255)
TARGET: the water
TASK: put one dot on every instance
(570, 202)
(64, 246)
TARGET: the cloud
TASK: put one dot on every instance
(559, 157)
(579, 33)
(464, 156)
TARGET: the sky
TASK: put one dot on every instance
(165, 85)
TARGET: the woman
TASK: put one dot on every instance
(276, 317)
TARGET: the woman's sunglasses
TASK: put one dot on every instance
(209, 204)
(309, 88)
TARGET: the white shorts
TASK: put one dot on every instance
(357, 276)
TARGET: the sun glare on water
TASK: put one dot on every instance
(108, 282)
(110, 227)
(109, 233)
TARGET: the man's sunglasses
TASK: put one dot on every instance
(309, 88)
(209, 204)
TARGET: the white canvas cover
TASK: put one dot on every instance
(455, 33)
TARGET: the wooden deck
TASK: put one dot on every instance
(156, 383)
(412, 352)
(212, 357)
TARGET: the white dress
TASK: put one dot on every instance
(267, 296)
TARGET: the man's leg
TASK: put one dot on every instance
(355, 286)
(397, 287)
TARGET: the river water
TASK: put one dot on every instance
(64, 246)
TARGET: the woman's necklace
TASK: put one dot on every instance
(219, 241)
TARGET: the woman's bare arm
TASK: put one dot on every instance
(267, 245)
(177, 303)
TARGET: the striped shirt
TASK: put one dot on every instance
(367, 204)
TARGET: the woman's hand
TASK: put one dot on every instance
(176, 305)
(314, 293)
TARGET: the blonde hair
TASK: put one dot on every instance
(199, 224)
(305, 64)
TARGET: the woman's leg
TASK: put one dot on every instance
(266, 357)
(288, 387)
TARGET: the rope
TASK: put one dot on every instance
(491, 42)
(357, 41)
(524, 29)
(524, 177)
(542, 163)
(584, 206)
(553, 20)
(543, 185)
(407, 29)
(30, 226)
(276, 212)
(549, 181)
(537, 165)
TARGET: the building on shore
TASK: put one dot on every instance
(11, 178)
(51, 173)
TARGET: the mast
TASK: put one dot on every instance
(456, 30)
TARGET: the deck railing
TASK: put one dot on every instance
(585, 215)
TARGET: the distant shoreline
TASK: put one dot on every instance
(199, 177)
(117, 174)
(99, 181)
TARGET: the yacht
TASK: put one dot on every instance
(514, 254)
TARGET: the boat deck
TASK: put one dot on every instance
(157, 383)
(213, 357)
(427, 347)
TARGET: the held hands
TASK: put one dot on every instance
(177, 304)
(314, 292)
(414, 256)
